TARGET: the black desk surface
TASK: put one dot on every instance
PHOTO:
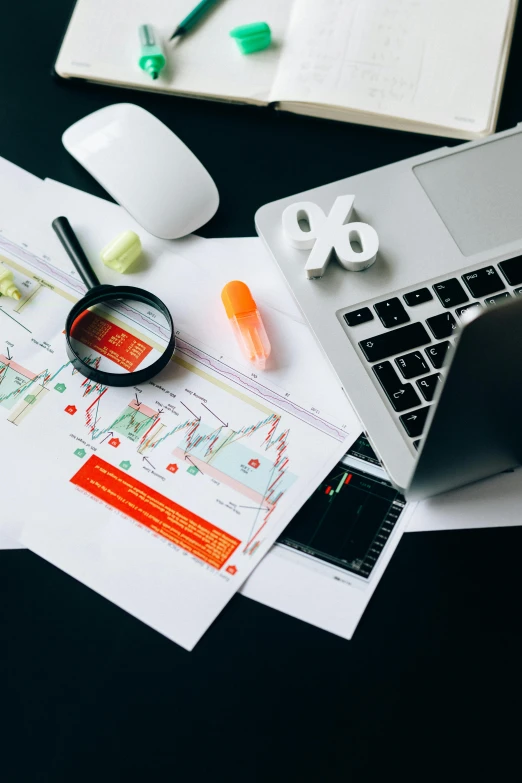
(429, 687)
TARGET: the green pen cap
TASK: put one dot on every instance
(252, 37)
(152, 59)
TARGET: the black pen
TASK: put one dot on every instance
(193, 18)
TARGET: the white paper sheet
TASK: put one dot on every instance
(294, 349)
(22, 185)
(330, 558)
(102, 44)
(74, 442)
(436, 61)
(330, 595)
(9, 543)
(327, 594)
(246, 258)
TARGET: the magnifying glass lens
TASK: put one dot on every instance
(120, 335)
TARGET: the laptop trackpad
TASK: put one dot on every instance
(477, 193)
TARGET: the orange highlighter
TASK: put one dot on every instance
(246, 322)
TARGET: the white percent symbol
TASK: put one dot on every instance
(306, 227)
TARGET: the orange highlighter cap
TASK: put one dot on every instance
(246, 323)
(237, 299)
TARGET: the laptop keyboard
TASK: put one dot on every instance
(412, 334)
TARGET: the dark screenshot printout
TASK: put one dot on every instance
(348, 520)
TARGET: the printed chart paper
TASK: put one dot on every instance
(162, 497)
(327, 563)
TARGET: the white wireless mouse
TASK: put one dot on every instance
(145, 168)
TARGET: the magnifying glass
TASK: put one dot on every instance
(116, 335)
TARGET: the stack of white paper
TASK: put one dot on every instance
(293, 423)
(162, 498)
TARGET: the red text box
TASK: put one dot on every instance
(157, 512)
(109, 340)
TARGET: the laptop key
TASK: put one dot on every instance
(483, 281)
(428, 386)
(493, 300)
(471, 306)
(442, 325)
(416, 444)
(450, 293)
(414, 421)
(517, 291)
(401, 395)
(406, 338)
(512, 270)
(412, 364)
(358, 316)
(437, 353)
(417, 297)
(392, 312)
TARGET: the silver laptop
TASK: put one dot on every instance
(439, 394)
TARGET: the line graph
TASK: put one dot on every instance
(224, 454)
(196, 471)
(252, 386)
(136, 421)
(186, 347)
(259, 472)
(218, 440)
(14, 381)
(75, 287)
(27, 405)
(42, 265)
(235, 456)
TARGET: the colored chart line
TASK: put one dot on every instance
(41, 265)
(53, 273)
(16, 380)
(186, 348)
(27, 405)
(274, 398)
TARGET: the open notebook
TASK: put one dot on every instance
(433, 66)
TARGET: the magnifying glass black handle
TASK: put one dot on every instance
(75, 252)
(120, 297)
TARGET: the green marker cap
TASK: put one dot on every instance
(252, 37)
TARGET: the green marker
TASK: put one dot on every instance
(152, 59)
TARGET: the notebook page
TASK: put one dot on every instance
(102, 44)
(429, 61)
